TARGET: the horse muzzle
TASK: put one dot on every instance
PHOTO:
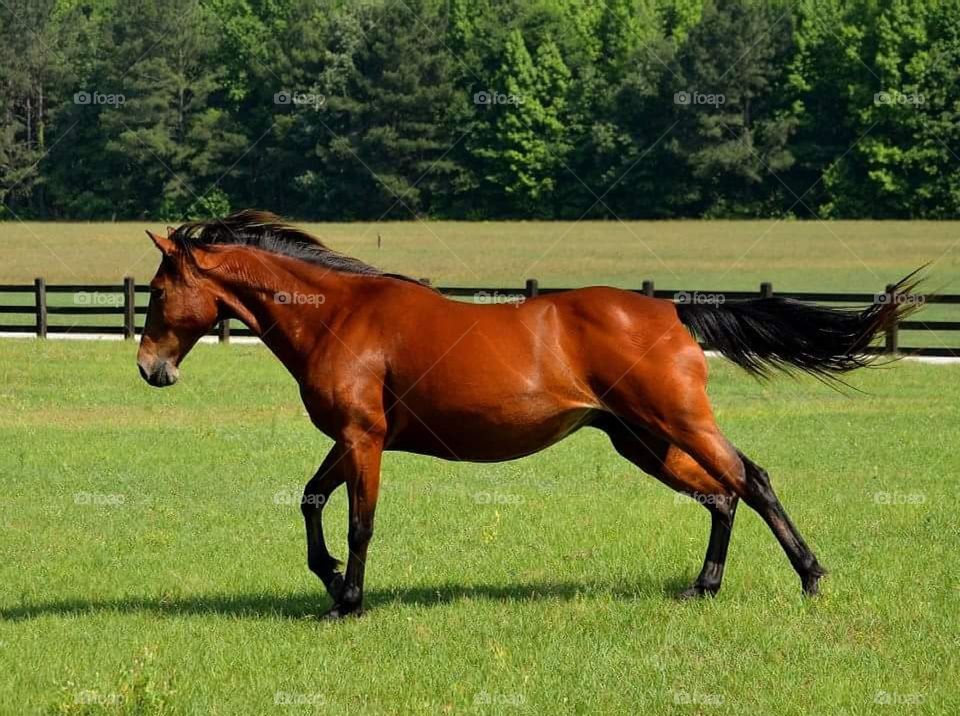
(158, 373)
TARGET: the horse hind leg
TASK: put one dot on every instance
(751, 483)
(675, 406)
(723, 508)
(774, 514)
(679, 471)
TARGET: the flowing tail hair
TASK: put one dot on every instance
(765, 334)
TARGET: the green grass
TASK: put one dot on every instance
(721, 255)
(538, 586)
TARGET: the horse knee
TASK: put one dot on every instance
(312, 501)
(310, 505)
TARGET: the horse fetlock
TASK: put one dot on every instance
(351, 595)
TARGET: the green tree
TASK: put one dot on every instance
(843, 109)
(172, 140)
(933, 149)
(620, 116)
(829, 85)
(735, 125)
(382, 142)
(522, 146)
(38, 48)
(903, 164)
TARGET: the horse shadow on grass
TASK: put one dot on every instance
(304, 605)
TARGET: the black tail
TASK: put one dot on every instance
(761, 334)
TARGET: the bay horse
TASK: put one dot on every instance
(385, 362)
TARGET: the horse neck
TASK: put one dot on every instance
(289, 304)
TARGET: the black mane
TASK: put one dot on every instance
(267, 231)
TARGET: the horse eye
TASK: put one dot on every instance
(156, 293)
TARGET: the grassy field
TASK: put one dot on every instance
(716, 255)
(721, 255)
(153, 558)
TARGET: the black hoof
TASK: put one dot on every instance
(697, 591)
(341, 611)
(811, 585)
(811, 581)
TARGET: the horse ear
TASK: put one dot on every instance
(163, 243)
(170, 231)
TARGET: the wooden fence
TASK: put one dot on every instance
(121, 300)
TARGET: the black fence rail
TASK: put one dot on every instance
(88, 300)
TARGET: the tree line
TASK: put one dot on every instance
(480, 109)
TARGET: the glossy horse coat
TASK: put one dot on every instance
(386, 363)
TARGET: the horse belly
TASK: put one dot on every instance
(493, 435)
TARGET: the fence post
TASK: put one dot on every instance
(891, 334)
(223, 331)
(40, 293)
(648, 288)
(766, 290)
(532, 289)
(129, 307)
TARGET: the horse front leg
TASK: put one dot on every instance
(316, 494)
(361, 469)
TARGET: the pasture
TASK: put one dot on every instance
(153, 556)
(154, 561)
(720, 255)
